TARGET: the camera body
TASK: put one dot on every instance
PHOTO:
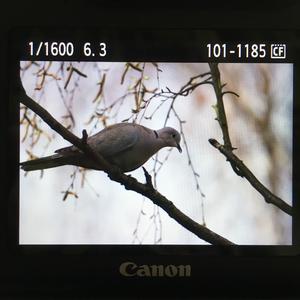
(222, 81)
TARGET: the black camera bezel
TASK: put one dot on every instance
(28, 267)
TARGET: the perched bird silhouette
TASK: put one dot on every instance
(125, 145)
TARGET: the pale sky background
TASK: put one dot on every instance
(106, 213)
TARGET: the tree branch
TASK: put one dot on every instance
(115, 174)
(220, 109)
(221, 115)
(237, 165)
(245, 172)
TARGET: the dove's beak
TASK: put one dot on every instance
(179, 148)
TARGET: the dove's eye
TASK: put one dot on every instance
(174, 135)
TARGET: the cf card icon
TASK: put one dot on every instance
(278, 51)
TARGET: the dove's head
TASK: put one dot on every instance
(171, 137)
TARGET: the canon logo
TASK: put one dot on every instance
(130, 269)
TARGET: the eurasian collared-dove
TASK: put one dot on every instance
(125, 145)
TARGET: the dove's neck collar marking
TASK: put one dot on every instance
(156, 134)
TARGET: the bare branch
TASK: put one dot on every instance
(245, 172)
(220, 109)
(221, 115)
(237, 165)
(115, 174)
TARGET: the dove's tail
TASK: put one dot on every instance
(47, 162)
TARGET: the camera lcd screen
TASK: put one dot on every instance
(202, 120)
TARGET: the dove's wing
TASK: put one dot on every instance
(110, 141)
(115, 139)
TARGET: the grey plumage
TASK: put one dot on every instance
(125, 145)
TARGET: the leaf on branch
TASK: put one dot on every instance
(124, 73)
(79, 72)
(37, 135)
(69, 193)
(43, 72)
(90, 120)
(101, 85)
(125, 120)
(103, 118)
(135, 67)
(82, 171)
(137, 83)
(216, 109)
(28, 65)
(39, 86)
(156, 66)
(31, 155)
(70, 70)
